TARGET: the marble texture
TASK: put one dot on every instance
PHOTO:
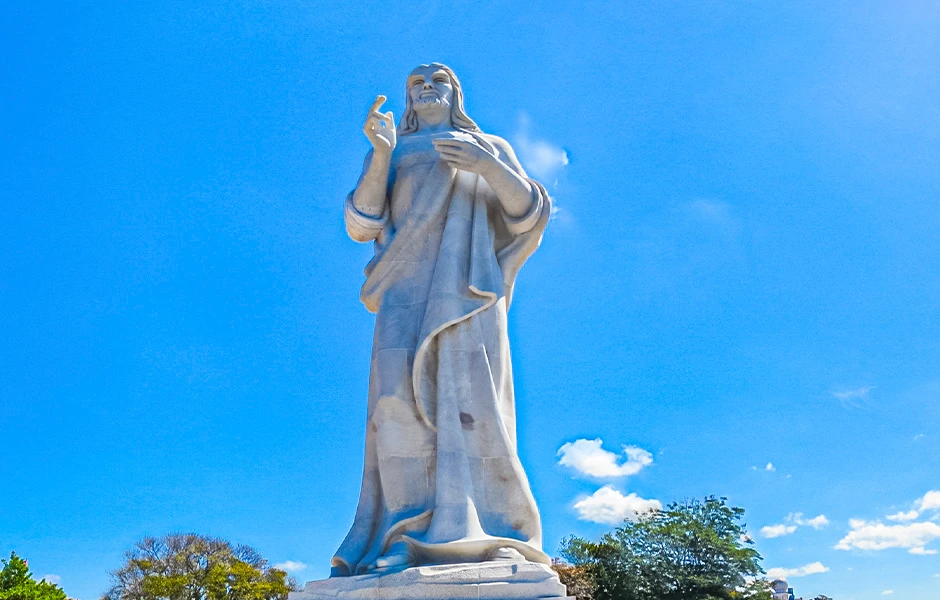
(468, 581)
(453, 217)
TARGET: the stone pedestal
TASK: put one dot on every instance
(471, 581)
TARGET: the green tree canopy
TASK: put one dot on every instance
(17, 583)
(194, 567)
(693, 550)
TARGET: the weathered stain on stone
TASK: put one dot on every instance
(466, 420)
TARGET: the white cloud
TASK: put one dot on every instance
(539, 157)
(291, 566)
(610, 507)
(919, 437)
(775, 531)
(929, 501)
(817, 522)
(51, 578)
(810, 569)
(887, 592)
(920, 551)
(587, 457)
(875, 535)
(770, 467)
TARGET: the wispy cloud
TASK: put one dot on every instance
(784, 573)
(887, 592)
(291, 566)
(769, 467)
(903, 516)
(541, 158)
(817, 522)
(853, 397)
(792, 521)
(589, 458)
(852, 394)
(610, 507)
(711, 212)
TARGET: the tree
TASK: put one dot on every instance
(693, 550)
(17, 583)
(577, 579)
(194, 567)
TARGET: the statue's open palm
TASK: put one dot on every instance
(380, 128)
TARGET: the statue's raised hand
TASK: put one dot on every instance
(466, 156)
(380, 128)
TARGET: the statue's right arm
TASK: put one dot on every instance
(371, 195)
(367, 206)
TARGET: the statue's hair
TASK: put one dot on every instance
(458, 117)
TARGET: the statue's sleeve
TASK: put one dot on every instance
(360, 226)
(520, 225)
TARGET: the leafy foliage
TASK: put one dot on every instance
(694, 550)
(578, 579)
(17, 583)
(194, 567)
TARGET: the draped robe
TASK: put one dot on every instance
(441, 469)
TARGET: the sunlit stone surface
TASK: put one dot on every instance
(477, 581)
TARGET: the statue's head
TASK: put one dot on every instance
(430, 89)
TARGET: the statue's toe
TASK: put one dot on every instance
(399, 555)
(393, 560)
(506, 553)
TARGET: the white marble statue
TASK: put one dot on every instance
(453, 217)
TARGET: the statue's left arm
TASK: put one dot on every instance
(502, 173)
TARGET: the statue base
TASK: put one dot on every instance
(495, 580)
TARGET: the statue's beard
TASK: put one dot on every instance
(432, 103)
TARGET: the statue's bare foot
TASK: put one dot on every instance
(398, 556)
(506, 553)
(340, 571)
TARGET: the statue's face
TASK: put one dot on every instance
(430, 88)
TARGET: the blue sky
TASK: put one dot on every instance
(741, 283)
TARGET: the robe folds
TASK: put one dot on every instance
(441, 469)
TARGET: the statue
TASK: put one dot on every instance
(453, 216)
